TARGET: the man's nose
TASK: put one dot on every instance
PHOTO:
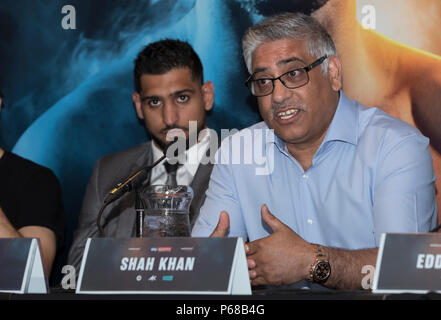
(280, 92)
(169, 114)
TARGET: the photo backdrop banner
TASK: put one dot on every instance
(66, 71)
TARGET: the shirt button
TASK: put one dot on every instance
(309, 221)
(305, 176)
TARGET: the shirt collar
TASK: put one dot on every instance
(157, 153)
(200, 147)
(344, 125)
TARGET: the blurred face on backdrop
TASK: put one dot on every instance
(302, 115)
(271, 7)
(169, 101)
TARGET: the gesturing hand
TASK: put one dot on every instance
(222, 226)
(280, 258)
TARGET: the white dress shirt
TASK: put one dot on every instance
(186, 172)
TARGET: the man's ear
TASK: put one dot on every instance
(335, 73)
(137, 102)
(208, 95)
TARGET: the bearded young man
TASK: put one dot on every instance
(169, 94)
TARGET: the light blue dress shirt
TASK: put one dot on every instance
(372, 174)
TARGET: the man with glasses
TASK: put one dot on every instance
(343, 173)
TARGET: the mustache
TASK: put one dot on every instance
(164, 130)
(278, 106)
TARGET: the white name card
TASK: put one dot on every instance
(408, 262)
(21, 267)
(164, 266)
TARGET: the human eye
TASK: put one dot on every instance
(294, 76)
(262, 82)
(182, 98)
(154, 102)
(293, 73)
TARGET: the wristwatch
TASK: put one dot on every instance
(320, 269)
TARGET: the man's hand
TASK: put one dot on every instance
(280, 258)
(222, 226)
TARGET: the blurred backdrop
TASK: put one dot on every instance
(68, 91)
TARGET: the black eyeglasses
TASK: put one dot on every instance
(292, 79)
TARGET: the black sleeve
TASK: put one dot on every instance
(40, 204)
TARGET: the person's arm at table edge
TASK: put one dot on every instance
(46, 236)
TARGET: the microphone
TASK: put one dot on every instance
(132, 182)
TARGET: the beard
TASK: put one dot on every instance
(271, 7)
(164, 145)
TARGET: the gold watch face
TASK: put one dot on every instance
(322, 271)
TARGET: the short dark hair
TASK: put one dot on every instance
(162, 56)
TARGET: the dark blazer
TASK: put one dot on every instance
(118, 219)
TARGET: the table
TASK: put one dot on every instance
(258, 295)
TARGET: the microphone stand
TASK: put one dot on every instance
(120, 189)
(139, 209)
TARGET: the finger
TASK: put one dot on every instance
(258, 281)
(251, 263)
(222, 226)
(274, 223)
(251, 248)
(255, 271)
(252, 274)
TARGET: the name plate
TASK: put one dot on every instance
(21, 268)
(408, 262)
(164, 266)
